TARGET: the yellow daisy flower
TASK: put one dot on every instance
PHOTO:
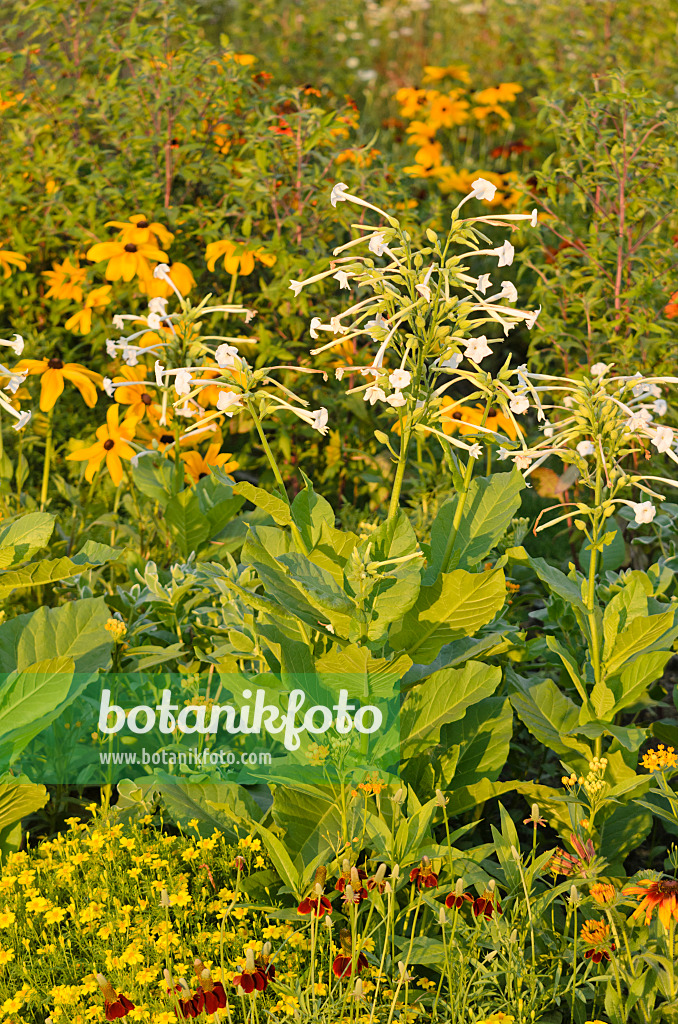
(81, 322)
(140, 231)
(200, 466)
(126, 259)
(111, 445)
(238, 259)
(54, 372)
(10, 260)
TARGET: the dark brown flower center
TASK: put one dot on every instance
(146, 398)
(142, 223)
(108, 445)
(166, 438)
(667, 888)
(55, 363)
(202, 475)
(130, 247)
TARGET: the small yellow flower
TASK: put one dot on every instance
(238, 258)
(81, 322)
(55, 915)
(111, 446)
(660, 759)
(7, 918)
(10, 260)
(65, 281)
(118, 629)
(6, 956)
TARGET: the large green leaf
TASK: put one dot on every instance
(490, 505)
(22, 538)
(312, 819)
(217, 501)
(642, 634)
(33, 693)
(75, 630)
(189, 524)
(310, 512)
(478, 744)
(456, 605)
(17, 800)
(443, 697)
(635, 678)
(373, 677)
(276, 507)
(548, 713)
(221, 805)
(91, 556)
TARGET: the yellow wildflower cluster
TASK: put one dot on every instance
(430, 110)
(116, 628)
(660, 759)
(593, 782)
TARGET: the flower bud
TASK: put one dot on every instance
(515, 855)
(358, 989)
(249, 960)
(329, 924)
(459, 887)
(346, 865)
(349, 892)
(399, 796)
(318, 889)
(320, 875)
(355, 879)
(491, 884)
(379, 874)
(535, 812)
(442, 917)
(441, 800)
(164, 898)
(267, 949)
(395, 871)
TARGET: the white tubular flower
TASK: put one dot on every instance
(337, 326)
(423, 288)
(15, 379)
(296, 286)
(225, 356)
(111, 348)
(663, 438)
(130, 355)
(377, 244)
(568, 401)
(161, 272)
(452, 362)
(643, 511)
(585, 448)
(509, 291)
(644, 388)
(229, 402)
(374, 394)
(477, 349)
(483, 189)
(154, 321)
(533, 218)
(531, 318)
(519, 404)
(505, 253)
(342, 277)
(157, 305)
(475, 451)
(338, 193)
(119, 322)
(396, 400)
(400, 379)
(250, 315)
(340, 371)
(503, 454)
(483, 283)
(379, 321)
(313, 329)
(17, 343)
(108, 387)
(522, 461)
(319, 423)
(22, 419)
(549, 430)
(599, 369)
(159, 373)
(182, 382)
(637, 421)
(659, 407)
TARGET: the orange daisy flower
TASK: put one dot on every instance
(657, 894)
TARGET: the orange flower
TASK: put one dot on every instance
(9, 260)
(139, 231)
(111, 446)
(125, 259)
(140, 400)
(96, 300)
(465, 418)
(603, 893)
(54, 372)
(200, 466)
(596, 935)
(658, 894)
(671, 307)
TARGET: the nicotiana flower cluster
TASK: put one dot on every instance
(423, 314)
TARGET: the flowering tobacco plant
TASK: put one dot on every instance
(422, 315)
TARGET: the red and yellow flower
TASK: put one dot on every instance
(595, 935)
(423, 876)
(657, 894)
(116, 1006)
(342, 966)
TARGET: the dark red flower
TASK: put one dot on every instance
(116, 1006)
(485, 905)
(346, 877)
(454, 901)
(342, 966)
(249, 981)
(210, 995)
(316, 905)
(239, 863)
(423, 876)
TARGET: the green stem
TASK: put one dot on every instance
(461, 500)
(591, 604)
(48, 458)
(394, 505)
(231, 290)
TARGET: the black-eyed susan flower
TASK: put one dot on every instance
(657, 894)
(238, 258)
(156, 287)
(342, 965)
(200, 466)
(65, 281)
(126, 259)
(96, 300)
(54, 372)
(10, 261)
(116, 1006)
(140, 231)
(142, 402)
(595, 936)
(111, 446)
